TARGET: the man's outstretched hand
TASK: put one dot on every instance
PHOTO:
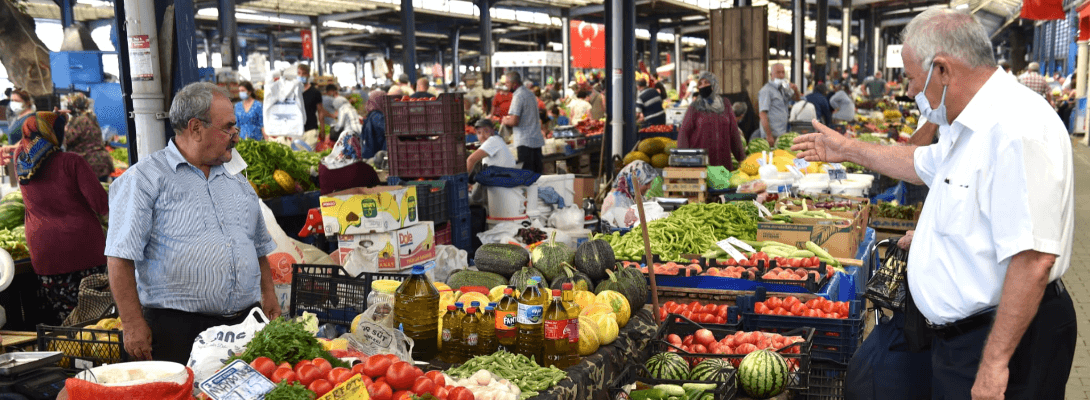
(824, 145)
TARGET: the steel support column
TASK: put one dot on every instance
(488, 76)
(653, 60)
(228, 29)
(314, 46)
(628, 72)
(207, 49)
(185, 49)
(821, 51)
(845, 35)
(272, 50)
(68, 16)
(798, 38)
(678, 77)
(565, 40)
(455, 61)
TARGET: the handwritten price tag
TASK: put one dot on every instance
(739, 244)
(733, 252)
(352, 389)
(237, 381)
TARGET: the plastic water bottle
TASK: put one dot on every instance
(416, 308)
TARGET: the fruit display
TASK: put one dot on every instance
(696, 311)
(735, 346)
(589, 127)
(757, 145)
(763, 374)
(792, 306)
(654, 150)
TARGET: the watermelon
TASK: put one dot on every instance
(593, 258)
(12, 214)
(667, 366)
(549, 258)
(763, 374)
(711, 370)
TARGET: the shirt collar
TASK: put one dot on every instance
(978, 115)
(175, 160)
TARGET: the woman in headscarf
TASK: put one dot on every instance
(709, 124)
(374, 125)
(64, 201)
(84, 137)
(615, 207)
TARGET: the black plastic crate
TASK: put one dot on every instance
(461, 231)
(826, 381)
(457, 191)
(638, 373)
(83, 348)
(834, 339)
(331, 293)
(798, 363)
(431, 200)
(811, 284)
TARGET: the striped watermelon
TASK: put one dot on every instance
(667, 366)
(763, 374)
(711, 370)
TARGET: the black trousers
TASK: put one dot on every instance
(173, 331)
(531, 158)
(1039, 367)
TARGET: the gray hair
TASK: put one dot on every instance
(513, 76)
(1033, 66)
(951, 32)
(194, 101)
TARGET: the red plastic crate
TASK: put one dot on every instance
(445, 115)
(442, 234)
(425, 157)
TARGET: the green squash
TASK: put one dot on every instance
(519, 278)
(611, 283)
(579, 280)
(549, 256)
(593, 258)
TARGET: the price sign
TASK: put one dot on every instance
(733, 252)
(740, 244)
(762, 209)
(352, 389)
(801, 163)
(237, 381)
(837, 172)
(794, 171)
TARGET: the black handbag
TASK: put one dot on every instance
(889, 286)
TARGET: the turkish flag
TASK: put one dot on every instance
(1043, 9)
(308, 45)
(588, 45)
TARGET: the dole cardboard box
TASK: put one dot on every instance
(397, 250)
(369, 210)
(840, 238)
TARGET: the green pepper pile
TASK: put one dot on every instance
(691, 229)
(264, 157)
(893, 210)
(517, 368)
(14, 241)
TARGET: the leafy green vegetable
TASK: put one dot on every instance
(263, 158)
(120, 154)
(286, 341)
(286, 391)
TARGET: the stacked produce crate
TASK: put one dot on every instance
(426, 143)
(690, 183)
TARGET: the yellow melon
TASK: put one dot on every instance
(469, 297)
(636, 155)
(619, 304)
(496, 293)
(607, 328)
(596, 308)
(651, 146)
(584, 298)
(661, 160)
(588, 336)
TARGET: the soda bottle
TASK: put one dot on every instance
(451, 352)
(416, 309)
(556, 330)
(573, 323)
(488, 330)
(531, 310)
(471, 337)
(506, 318)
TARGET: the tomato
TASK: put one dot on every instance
(790, 302)
(323, 365)
(774, 303)
(300, 364)
(720, 320)
(358, 369)
(401, 375)
(709, 309)
(339, 375)
(814, 303)
(376, 366)
(833, 316)
(264, 365)
(441, 392)
(829, 307)
(760, 308)
(307, 374)
(722, 311)
(380, 391)
(807, 263)
(366, 380)
(814, 313)
(283, 374)
(673, 339)
(436, 377)
(403, 395)
(799, 309)
(285, 365)
(843, 308)
(320, 387)
(423, 385)
(460, 393)
(688, 341)
(669, 304)
(687, 314)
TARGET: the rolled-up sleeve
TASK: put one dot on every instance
(131, 201)
(925, 160)
(1026, 182)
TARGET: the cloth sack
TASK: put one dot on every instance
(215, 345)
(79, 389)
(94, 299)
(885, 368)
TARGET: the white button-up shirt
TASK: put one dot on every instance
(1001, 182)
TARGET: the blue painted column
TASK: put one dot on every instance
(488, 76)
(408, 40)
(68, 16)
(228, 28)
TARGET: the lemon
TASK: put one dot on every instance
(607, 328)
(588, 336)
(496, 293)
(618, 303)
(355, 321)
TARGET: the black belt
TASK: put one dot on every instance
(221, 317)
(985, 317)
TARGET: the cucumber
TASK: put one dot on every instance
(649, 394)
(699, 386)
(671, 390)
(802, 254)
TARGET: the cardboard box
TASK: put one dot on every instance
(369, 210)
(839, 237)
(583, 188)
(398, 250)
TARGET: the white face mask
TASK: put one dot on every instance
(16, 106)
(937, 115)
(243, 95)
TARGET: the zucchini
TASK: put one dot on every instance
(802, 254)
(671, 390)
(699, 386)
(649, 394)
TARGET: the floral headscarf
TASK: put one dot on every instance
(79, 103)
(374, 101)
(43, 135)
(637, 172)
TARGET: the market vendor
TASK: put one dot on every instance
(187, 245)
(995, 234)
(493, 151)
(616, 206)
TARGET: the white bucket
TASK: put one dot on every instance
(849, 187)
(564, 185)
(506, 203)
(813, 187)
(136, 373)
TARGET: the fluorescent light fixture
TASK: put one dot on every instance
(95, 3)
(962, 6)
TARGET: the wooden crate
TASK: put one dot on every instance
(690, 183)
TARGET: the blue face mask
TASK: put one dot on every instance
(937, 115)
(303, 79)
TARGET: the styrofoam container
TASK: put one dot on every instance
(849, 187)
(861, 177)
(813, 187)
(507, 203)
(136, 373)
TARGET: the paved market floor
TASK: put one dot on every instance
(1077, 278)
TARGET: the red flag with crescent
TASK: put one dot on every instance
(588, 45)
(308, 45)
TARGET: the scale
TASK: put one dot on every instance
(31, 376)
(688, 158)
(566, 132)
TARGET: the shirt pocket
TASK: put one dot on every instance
(958, 207)
(178, 214)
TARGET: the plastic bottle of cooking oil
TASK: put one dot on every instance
(471, 337)
(416, 309)
(506, 318)
(488, 329)
(451, 352)
(557, 334)
(531, 311)
(573, 323)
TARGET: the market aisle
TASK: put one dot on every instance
(1077, 278)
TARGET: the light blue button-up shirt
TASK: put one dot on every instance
(195, 241)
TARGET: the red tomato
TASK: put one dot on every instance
(829, 307)
(441, 392)
(460, 393)
(669, 304)
(694, 306)
(401, 375)
(673, 339)
(308, 374)
(687, 314)
(704, 337)
(264, 365)
(833, 315)
(339, 375)
(722, 311)
(774, 303)
(300, 364)
(380, 391)
(366, 380)
(320, 387)
(814, 313)
(814, 303)
(807, 263)
(720, 320)
(760, 308)
(709, 309)
(843, 308)
(283, 374)
(423, 385)
(799, 309)
(285, 365)
(790, 301)
(688, 341)
(436, 377)
(403, 395)
(358, 369)
(323, 365)
(376, 366)
(699, 349)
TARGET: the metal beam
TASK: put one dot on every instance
(408, 40)
(353, 14)
(228, 28)
(488, 76)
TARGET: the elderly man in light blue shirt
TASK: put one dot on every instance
(524, 119)
(187, 243)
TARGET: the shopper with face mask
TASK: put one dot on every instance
(774, 101)
(248, 113)
(21, 106)
(709, 124)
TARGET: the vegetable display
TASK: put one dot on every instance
(285, 341)
(894, 210)
(286, 391)
(14, 241)
(264, 158)
(691, 229)
(520, 370)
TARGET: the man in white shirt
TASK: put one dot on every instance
(995, 234)
(493, 150)
(579, 108)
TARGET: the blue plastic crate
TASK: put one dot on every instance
(826, 381)
(834, 339)
(461, 232)
(457, 188)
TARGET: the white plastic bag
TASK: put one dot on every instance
(283, 113)
(652, 211)
(371, 338)
(286, 253)
(215, 345)
(362, 259)
(568, 218)
(503, 232)
(448, 260)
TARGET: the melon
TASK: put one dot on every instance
(636, 155)
(711, 370)
(618, 303)
(661, 160)
(763, 374)
(651, 146)
(667, 366)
